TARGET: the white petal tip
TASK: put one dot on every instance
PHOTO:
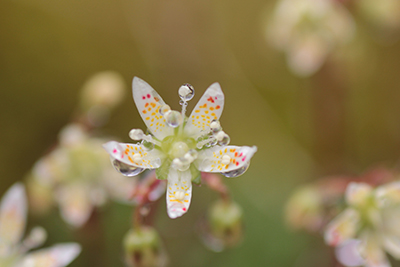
(176, 211)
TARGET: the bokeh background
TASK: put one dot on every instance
(344, 119)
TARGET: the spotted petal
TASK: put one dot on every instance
(134, 155)
(179, 192)
(13, 215)
(208, 108)
(56, 256)
(148, 103)
(212, 160)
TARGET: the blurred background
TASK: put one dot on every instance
(343, 118)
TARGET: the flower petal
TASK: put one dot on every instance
(342, 228)
(179, 192)
(75, 206)
(134, 155)
(348, 253)
(388, 194)
(357, 194)
(13, 213)
(208, 108)
(56, 256)
(212, 160)
(372, 251)
(392, 245)
(148, 103)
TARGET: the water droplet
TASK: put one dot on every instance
(136, 134)
(173, 118)
(186, 92)
(237, 172)
(164, 109)
(215, 126)
(147, 145)
(126, 169)
(223, 138)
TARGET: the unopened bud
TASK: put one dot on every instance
(143, 248)
(224, 226)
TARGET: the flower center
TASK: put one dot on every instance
(178, 149)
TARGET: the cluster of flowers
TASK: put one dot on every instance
(76, 175)
(365, 228)
(308, 31)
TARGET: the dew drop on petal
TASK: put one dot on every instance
(186, 92)
(164, 109)
(173, 118)
(126, 169)
(237, 172)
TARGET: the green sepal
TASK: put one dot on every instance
(163, 170)
(196, 175)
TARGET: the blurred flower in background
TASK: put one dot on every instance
(76, 175)
(308, 31)
(14, 250)
(368, 226)
(383, 14)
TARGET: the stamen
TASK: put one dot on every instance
(179, 195)
(223, 138)
(209, 142)
(186, 93)
(215, 126)
(226, 159)
(137, 135)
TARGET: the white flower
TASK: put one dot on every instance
(179, 147)
(308, 30)
(13, 250)
(78, 176)
(369, 227)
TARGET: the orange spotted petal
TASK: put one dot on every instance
(13, 212)
(208, 108)
(179, 192)
(224, 158)
(134, 155)
(148, 103)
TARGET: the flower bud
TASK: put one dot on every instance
(304, 209)
(224, 226)
(103, 89)
(143, 248)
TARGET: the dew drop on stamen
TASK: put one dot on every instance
(136, 134)
(223, 138)
(173, 118)
(186, 92)
(126, 169)
(237, 172)
(215, 126)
